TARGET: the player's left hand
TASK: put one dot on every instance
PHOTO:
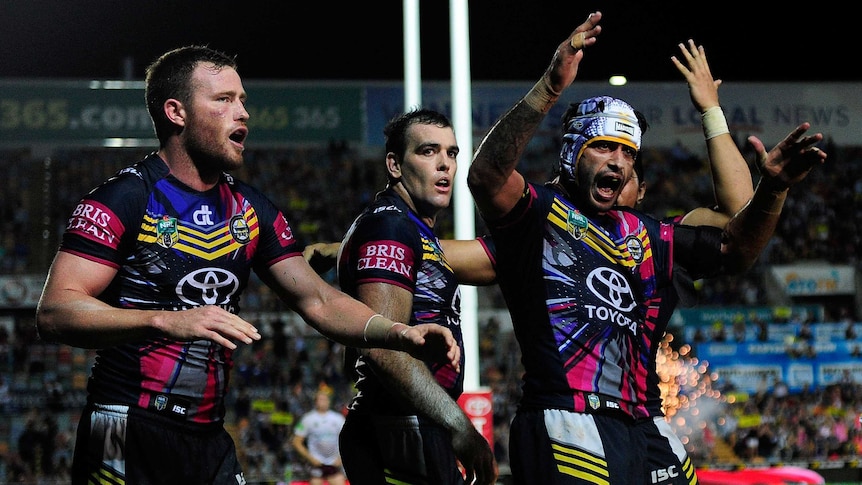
(430, 342)
(790, 161)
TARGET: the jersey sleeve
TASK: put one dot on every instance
(386, 249)
(98, 228)
(697, 250)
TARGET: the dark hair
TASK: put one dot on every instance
(395, 131)
(639, 166)
(170, 76)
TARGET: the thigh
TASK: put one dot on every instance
(360, 456)
(666, 457)
(397, 449)
(559, 447)
(162, 451)
(100, 452)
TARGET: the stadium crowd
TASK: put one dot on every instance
(275, 379)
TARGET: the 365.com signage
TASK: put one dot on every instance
(99, 112)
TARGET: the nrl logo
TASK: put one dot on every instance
(166, 231)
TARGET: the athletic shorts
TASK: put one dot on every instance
(397, 449)
(556, 447)
(323, 471)
(121, 445)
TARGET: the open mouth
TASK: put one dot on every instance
(239, 135)
(608, 185)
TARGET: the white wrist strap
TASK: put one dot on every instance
(714, 123)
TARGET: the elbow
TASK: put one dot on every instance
(46, 330)
(474, 179)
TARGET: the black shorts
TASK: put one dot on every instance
(118, 444)
(397, 449)
(556, 447)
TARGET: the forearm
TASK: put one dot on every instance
(410, 379)
(302, 450)
(501, 149)
(352, 323)
(492, 179)
(89, 323)
(731, 176)
(749, 231)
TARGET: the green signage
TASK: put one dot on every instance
(112, 113)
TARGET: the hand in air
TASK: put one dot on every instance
(564, 65)
(790, 161)
(702, 88)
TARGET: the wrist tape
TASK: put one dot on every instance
(377, 328)
(541, 97)
(714, 123)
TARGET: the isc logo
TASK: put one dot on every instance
(663, 474)
(182, 411)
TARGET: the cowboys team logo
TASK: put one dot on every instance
(239, 230)
(160, 402)
(636, 248)
(167, 233)
(576, 225)
(594, 401)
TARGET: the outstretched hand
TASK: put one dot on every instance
(564, 66)
(702, 88)
(790, 161)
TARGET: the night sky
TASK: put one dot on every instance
(510, 40)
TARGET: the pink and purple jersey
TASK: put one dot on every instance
(174, 248)
(589, 299)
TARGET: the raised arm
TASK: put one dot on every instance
(731, 177)
(493, 181)
(748, 232)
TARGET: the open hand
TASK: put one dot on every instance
(790, 161)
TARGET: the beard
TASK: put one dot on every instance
(211, 156)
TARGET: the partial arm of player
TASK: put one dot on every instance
(468, 258)
(788, 163)
(351, 322)
(470, 261)
(299, 445)
(70, 312)
(411, 379)
(322, 256)
(493, 181)
(731, 176)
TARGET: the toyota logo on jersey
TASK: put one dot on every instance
(208, 286)
(612, 288)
